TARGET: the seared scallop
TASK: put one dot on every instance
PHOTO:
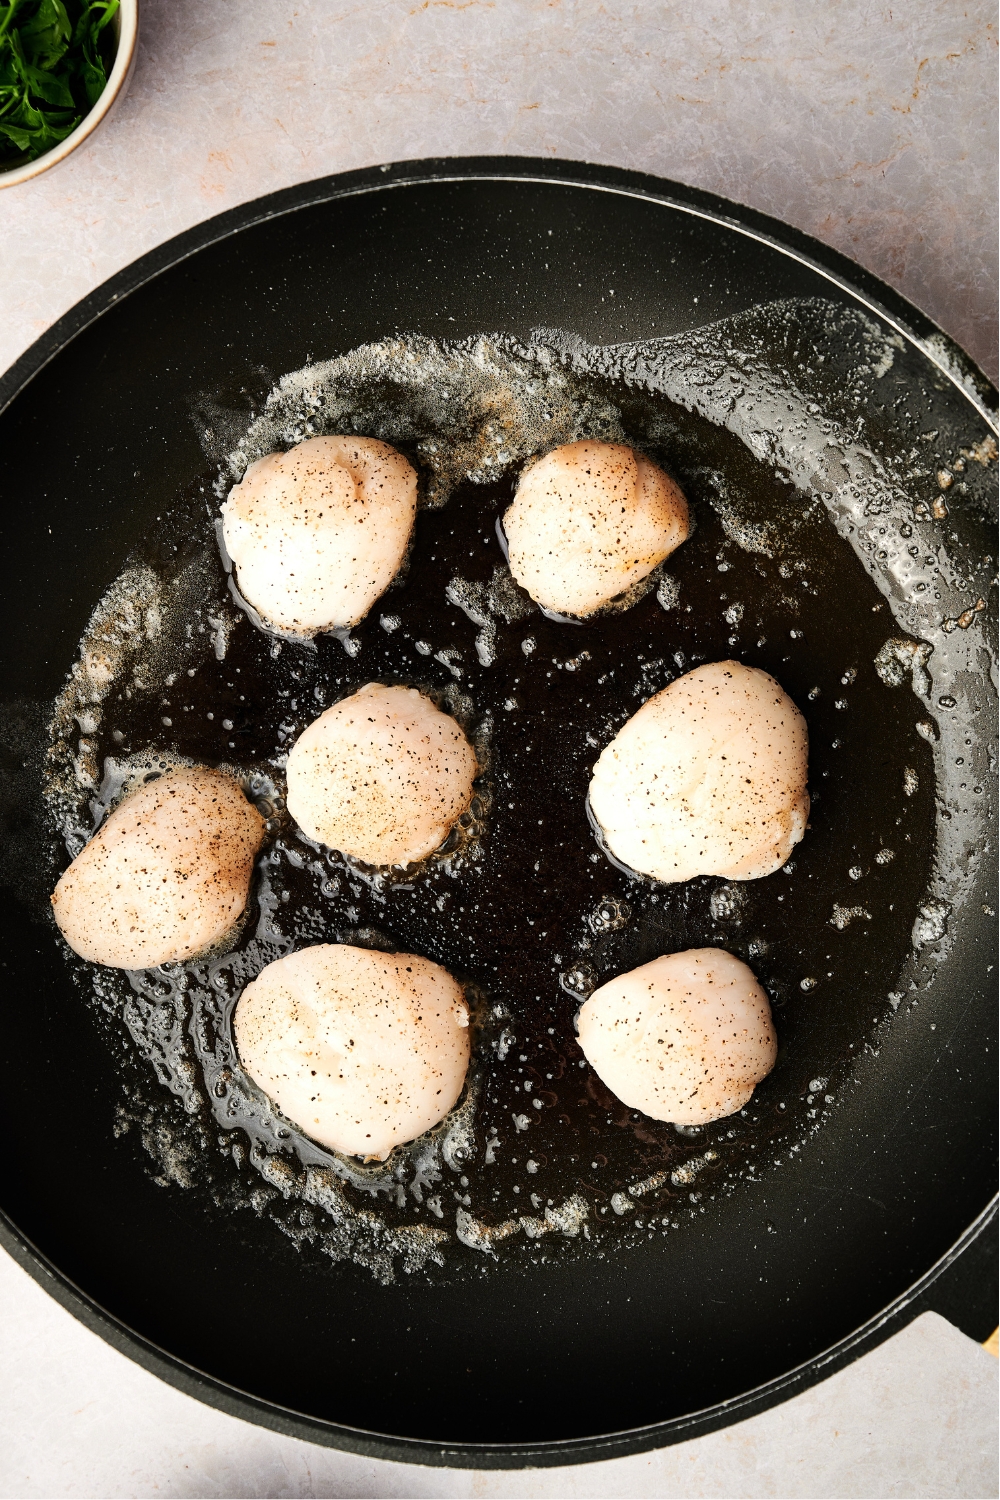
(318, 534)
(361, 1050)
(382, 776)
(685, 1038)
(588, 522)
(166, 875)
(708, 778)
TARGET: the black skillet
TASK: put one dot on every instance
(578, 1357)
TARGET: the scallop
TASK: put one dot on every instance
(708, 778)
(166, 875)
(318, 534)
(361, 1050)
(589, 521)
(685, 1038)
(382, 776)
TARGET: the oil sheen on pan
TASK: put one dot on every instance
(791, 511)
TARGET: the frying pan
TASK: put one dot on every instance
(518, 1361)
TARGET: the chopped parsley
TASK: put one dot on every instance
(55, 58)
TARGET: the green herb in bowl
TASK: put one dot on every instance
(55, 58)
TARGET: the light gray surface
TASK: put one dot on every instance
(915, 1417)
(870, 126)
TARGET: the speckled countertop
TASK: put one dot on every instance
(868, 125)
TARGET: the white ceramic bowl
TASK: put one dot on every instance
(126, 24)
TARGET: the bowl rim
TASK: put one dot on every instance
(128, 34)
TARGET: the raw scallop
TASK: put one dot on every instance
(382, 776)
(708, 778)
(165, 876)
(588, 522)
(361, 1050)
(318, 534)
(685, 1038)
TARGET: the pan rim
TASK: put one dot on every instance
(862, 287)
(860, 284)
(554, 1453)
